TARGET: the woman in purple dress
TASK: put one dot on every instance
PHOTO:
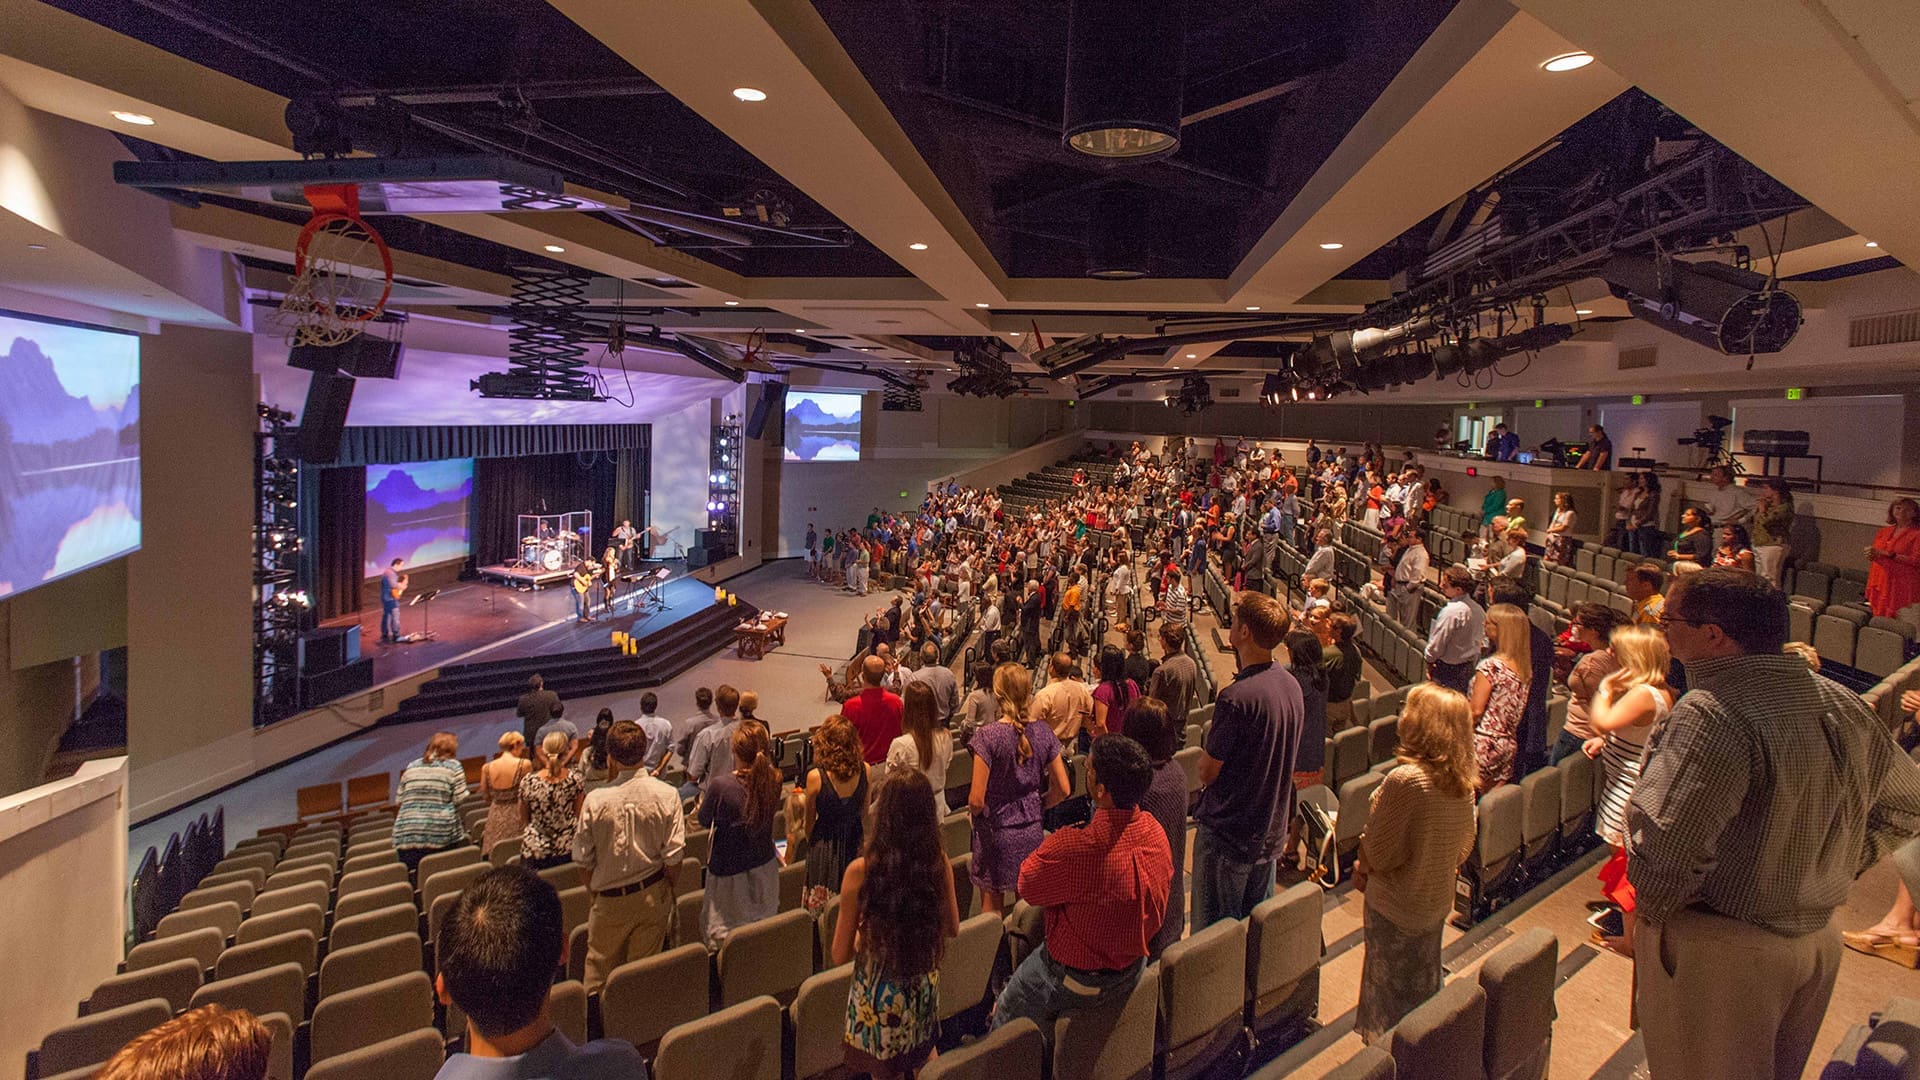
(1013, 761)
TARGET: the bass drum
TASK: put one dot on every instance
(552, 560)
(530, 553)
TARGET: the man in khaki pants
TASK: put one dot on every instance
(1764, 793)
(628, 846)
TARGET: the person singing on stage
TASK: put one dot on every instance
(610, 567)
(392, 584)
(624, 536)
(582, 581)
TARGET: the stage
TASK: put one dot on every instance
(482, 621)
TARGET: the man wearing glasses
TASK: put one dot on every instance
(1764, 794)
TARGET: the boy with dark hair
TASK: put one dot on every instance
(498, 949)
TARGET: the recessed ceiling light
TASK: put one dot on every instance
(1582, 311)
(733, 303)
(1253, 307)
(1331, 246)
(134, 118)
(1572, 61)
(1193, 356)
(979, 305)
(917, 247)
(36, 247)
(748, 93)
(1013, 333)
(1873, 243)
(555, 248)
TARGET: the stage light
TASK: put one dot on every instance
(134, 118)
(1722, 307)
(748, 93)
(916, 247)
(1572, 61)
(1126, 73)
(1332, 246)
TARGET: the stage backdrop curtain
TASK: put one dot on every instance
(505, 488)
(394, 445)
(339, 539)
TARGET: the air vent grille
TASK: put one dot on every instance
(1642, 357)
(1891, 328)
(1227, 392)
(1123, 393)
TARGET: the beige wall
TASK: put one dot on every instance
(41, 631)
(189, 597)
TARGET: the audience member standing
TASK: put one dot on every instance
(659, 731)
(836, 803)
(1247, 767)
(629, 843)
(874, 712)
(1408, 579)
(688, 729)
(1772, 529)
(1160, 734)
(1419, 831)
(1304, 663)
(537, 706)
(1893, 571)
(1065, 704)
(1593, 626)
(427, 812)
(1499, 696)
(497, 952)
(500, 786)
(1531, 738)
(897, 910)
(924, 745)
(980, 708)
(1761, 797)
(1017, 774)
(712, 752)
(1459, 629)
(1627, 706)
(1116, 692)
(743, 875)
(1104, 888)
(938, 677)
(1343, 666)
(551, 796)
(1176, 681)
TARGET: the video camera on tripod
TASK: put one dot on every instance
(1712, 440)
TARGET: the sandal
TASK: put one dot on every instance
(1900, 948)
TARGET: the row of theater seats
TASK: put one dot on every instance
(160, 880)
(1886, 1047)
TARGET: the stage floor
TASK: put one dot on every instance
(476, 621)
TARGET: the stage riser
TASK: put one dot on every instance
(472, 688)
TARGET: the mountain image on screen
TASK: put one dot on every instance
(823, 427)
(69, 465)
(417, 513)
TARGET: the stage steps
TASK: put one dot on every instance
(462, 689)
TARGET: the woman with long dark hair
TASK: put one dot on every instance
(743, 876)
(892, 899)
(1115, 694)
(925, 744)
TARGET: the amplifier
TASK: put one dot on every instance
(321, 651)
(1774, 442)
(317, 690)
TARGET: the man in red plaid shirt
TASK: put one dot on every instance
(1104, 887)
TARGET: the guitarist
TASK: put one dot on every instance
(625, 535)
(392, 584)
(582, 581)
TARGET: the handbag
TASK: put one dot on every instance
(1317, 837)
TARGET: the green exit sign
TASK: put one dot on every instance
(1639, 399)
(1795, 393)
(1539, 403)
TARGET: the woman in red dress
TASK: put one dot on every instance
(1893, 573)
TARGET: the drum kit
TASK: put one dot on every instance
(553, 553)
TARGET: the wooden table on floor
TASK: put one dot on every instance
(751, 640)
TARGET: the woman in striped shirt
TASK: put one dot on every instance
(1623, 713)
(428, 817)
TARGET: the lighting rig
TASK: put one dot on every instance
(1194, 395)
(723, 489)
(280, 606)
(984, 369)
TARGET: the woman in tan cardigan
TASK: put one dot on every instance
(1420, 829)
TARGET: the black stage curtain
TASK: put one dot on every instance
(504, 488)
(393, 445)
(338, 542)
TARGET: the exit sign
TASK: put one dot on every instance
(1795, 393)
(1539, 403)
(1639, 399)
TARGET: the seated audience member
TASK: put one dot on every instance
(1104, 888)
(743, 877)
(207, 1043)
(498, 950)
(628, 845)
(893, 897)
(1735, 550)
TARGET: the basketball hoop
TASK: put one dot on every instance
(342, 271)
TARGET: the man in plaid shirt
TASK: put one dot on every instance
(1764, 794)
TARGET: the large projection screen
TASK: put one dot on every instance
(69, 449)
(822, 426)
(417, 513)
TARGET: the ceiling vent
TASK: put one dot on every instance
(1637, 358)
(1228, 392)
(1891, 328)
(1123, 392)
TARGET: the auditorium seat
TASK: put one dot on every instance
(567, 1008)
(1114, 1041)
(1356, 802)
(1283, 964)
(699, 845)
(238, 893)
(961, 867)
(1519, 981)
(364, 1015)
(504, 852)
(296, 946)
(1540, 820)
(202, 946)
(1814, 579)
(741, 1042)
(1495, 862)
(968, 964)
(1026, 930)
(93, 1039)
(250, 875)
(448, 882)
(1383, 739)
(771, 957)
(368, 791)
(1833, 637)
(319, 800)
(564, 876)
(1881, 646)
(224, 917)
(374, 899)
(360, 965)
(378, 855)
(281, 988)
(311, 892)
(1189, 761)
(1443, 1038)
(270, 842)
(1371, 1063)
(793, 885)
(1203, 988)
(686, 918)
(1016, 1051)
(446, 860)
(1849, 586)
(259, 858)
(956, 834)
(1349, 757)
(417, 1055)
(392, 872)
(644, 999)
(1577, 782)
(818, 1018)
(306, 917)
(173, 982)
(300, 875)
(827, 921)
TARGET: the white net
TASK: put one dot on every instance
(341, 286)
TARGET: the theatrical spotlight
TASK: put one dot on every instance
(1722, 307)
(1195, 394)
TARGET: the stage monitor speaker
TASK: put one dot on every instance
(328, 649)
(324, 419)
(317, 690)
(696, 558)
(773, 399)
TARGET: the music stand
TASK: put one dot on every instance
(659, 592)
(426, 613)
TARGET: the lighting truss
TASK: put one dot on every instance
(724, 488)
(280, 604)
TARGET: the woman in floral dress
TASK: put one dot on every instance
(891, 900)
(1499, 695)
(552, 798)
